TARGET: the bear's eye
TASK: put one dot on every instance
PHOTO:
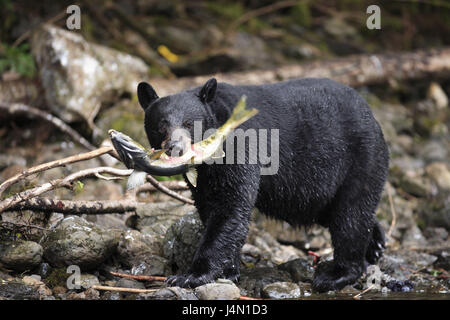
(162, 127)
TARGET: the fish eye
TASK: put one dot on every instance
(187, 124)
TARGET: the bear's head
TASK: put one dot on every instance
(169, 121)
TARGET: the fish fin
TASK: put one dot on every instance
(240, 113)
(191, 175)
(155, 155)
(136, 179)
(219, 154)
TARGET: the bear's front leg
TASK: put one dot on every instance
(224, 207)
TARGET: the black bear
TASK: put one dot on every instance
(333, 164)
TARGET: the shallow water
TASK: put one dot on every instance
(380, 296)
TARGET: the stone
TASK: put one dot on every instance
(252, 281)
(439, 174)
(181, 241)
(88, 280)
(437, 94)
(79, 76)
(281, 290)
(220, 290)
(134, 245)
(74, 241)
(20, 255)
(299, 269)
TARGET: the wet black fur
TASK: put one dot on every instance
(333, 166)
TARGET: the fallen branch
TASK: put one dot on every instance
(174, 185)
(359, 295)
(159, 278)
(20, 108)
(54, 164)
(167, 191)
(354, 70)
(76, 207)
(119, 289)
(62, 182)
(144, 278)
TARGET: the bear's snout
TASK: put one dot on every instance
(176, 148)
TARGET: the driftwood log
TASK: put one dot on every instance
(354, 70)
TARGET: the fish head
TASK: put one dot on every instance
(177, 121)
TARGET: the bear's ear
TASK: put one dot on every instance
(209, 90)
(146, 94)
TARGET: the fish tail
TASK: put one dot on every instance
(240, 114)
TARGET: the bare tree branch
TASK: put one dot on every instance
(76, 207)
(20, 108)
(54, 164)
(63, 182)
(167, 191)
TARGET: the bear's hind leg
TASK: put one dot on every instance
(376, 244)
(351, 227)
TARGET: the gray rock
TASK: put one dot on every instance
(182, 239)
(18, 291)
(281, 290)
(410, 182)
(74, 241)
(299, 269)
(7, 160)
(399, 264)
(20, 255)
(134, 246)
(435, 212)
(220, 290)
(440, 175)
(44, 270)
(443, 260)
(78, 76)
(170, 293)
(151, 265)
(252, 281)
(413, 238)
(125, 116)
(156, 218)
(88, 280)
(130, 283)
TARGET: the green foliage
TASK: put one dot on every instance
(78, 187)
(176, 177)
(18, 59)
(228, 10)
(301, 14)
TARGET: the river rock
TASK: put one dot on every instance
(17, 290)
(79, 76)
(281, 290)
(169, 293)
(220, 290)
(88, 280)
(437, 94)
(20, 255)
(181, 241)
(156, 218)
(299, 269)
(74, 241)
(439, 174)
(252, 281)
(134, 246)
